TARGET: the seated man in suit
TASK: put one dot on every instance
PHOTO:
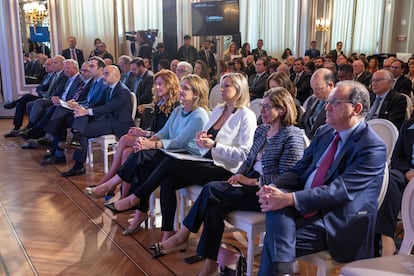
(387, 103)
(143, 83)
(20, 104)
(322, 83)
(257, 81)
(328, 200)
(127, 78)
(114, 117)
(360, 73)
(345, 72)
(259, 52)
(62, 118)
(301, 80)
(401, 172)
(401, 83)
(72, 53)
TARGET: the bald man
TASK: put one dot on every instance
(114, 117)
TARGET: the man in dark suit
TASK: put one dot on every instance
(259, 52)
(143, 83)
(114, 117)
(257, 81)
(312, 52)
(322, 83)
(401, 83)
(72, 52)
(62, 117)
(21, 103)
(328, 201)
(301, 80)
(401, 172)
(207, 56)
(127, 78)
(337, 51)
(386, 103)
(360, 73)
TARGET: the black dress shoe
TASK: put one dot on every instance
(27, 146)
(74, 171)
(13, 133)
(43, 141)
(70, 145)
(111, 206)
(53, 160)
(10, 105)
(32, 133)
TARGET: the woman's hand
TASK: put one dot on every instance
(204, 140)
(242, 179)
(136, 131)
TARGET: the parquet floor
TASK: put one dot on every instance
(48, 226)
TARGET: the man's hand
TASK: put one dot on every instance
(272, 199)
(409, 174)
(80, 111)
(55, 100)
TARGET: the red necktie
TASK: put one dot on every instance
(326, 163)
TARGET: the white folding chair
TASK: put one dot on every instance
(387, 132)
(107, 143)
(391, 265)
(255, 106)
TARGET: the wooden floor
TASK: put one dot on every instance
(49, 226)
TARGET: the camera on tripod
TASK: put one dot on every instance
(150, 35)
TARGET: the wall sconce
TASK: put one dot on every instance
(322, 24)
(34, 12)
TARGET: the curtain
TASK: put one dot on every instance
(342, 20)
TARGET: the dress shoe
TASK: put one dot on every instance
(74, 171)
(111, 206)
(70, 145)
(27, 146)
(53, 160)
(32, 133)
(91, 191)
(43, 141)
(13, 133)
(48, 154)
(159, 251)
(130, 230)
(10, 105)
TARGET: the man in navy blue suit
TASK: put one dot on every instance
(72, 52)
(339, 213)
(312, 52)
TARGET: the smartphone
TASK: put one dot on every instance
(193, 259)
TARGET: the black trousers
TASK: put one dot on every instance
(215, 201)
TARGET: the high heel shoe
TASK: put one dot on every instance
(159, 251)
(111, 206)
(130, 231)
(91, 191)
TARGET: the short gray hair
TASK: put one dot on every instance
(358, 94)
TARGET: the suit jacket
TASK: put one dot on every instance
(393, 108)
(256, 54)
(303, 87)
(334, 54)
(347, 201)
(402, 155)
(79, 55)
(312, 53)
(365, 78)
(403, 85)
(76, 91)
(320, 119)
(118, 110)
(144, 89)
(211, 62)
(97, 96)
(58, 85)
(257, 88)
(129, 80)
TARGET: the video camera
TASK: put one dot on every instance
(151, 35)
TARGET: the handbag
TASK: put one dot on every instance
(231, 262)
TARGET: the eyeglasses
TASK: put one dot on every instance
(335, 102)
(266, 107)
(377, 80)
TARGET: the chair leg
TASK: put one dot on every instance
(105, 156)
(90, 153)
(250, 253)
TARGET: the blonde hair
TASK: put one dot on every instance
(200, 90)
(173, 86)
(282, 99)
(242, 97)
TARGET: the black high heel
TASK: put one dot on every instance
(159, 251)
(111, 206)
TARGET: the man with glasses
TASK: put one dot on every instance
(328, 200)
(183, 69)
(322, 83)
(387, 103)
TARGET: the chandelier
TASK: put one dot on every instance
(35, 12)
(322, 24)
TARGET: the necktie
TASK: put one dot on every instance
(372, 114)
(73, 54)
(52, 83)
(297, 77)
(109, 94)
(325, 164)
(67, 88)
(256, 79)
(207, 55)
(91, 92)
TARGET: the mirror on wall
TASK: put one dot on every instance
(35, 36)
